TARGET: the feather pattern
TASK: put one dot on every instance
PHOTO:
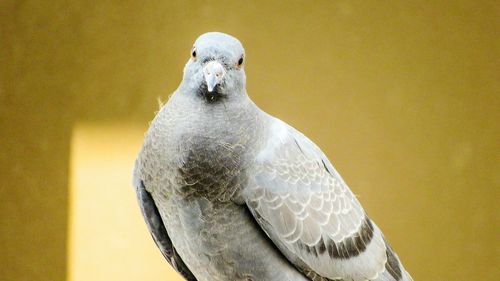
(158, 232)
(245, 196)
(306, 208)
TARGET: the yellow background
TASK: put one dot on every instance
(403, 97)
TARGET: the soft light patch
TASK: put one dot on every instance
(108, 239)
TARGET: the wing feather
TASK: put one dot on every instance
(158, 231)
(308, 211)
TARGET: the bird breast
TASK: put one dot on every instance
(210, 168)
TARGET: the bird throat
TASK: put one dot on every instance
(211, 97)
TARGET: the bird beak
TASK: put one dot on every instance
(214, 73)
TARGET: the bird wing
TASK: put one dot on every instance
(307, 210)
(158, 230)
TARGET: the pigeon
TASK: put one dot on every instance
(229, 192)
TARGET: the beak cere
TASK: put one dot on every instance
(214, 73)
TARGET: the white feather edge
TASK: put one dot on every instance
(366, 266)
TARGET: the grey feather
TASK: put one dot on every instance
(309, 212)
(159, 233)
(244, 196)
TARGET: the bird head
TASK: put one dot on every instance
(215, 69)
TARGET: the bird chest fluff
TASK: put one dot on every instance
(229, 192)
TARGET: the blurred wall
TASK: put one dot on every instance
(403, 97)
(36, 116)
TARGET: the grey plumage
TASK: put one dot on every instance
(232, 193)
(159, 233)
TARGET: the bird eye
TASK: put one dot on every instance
(240, 61)
(193, 53)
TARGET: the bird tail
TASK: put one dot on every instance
(394, 270)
